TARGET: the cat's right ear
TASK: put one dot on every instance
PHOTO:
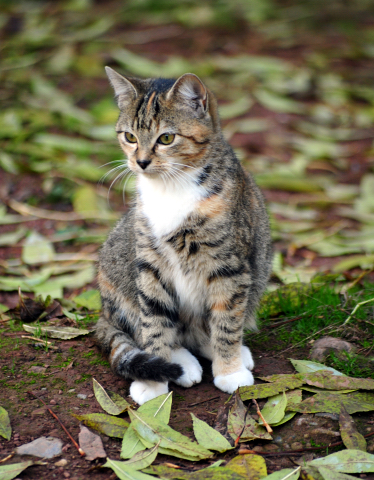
(123, 88)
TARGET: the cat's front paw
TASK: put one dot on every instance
(143, 390)
(229, 383)
(247, 358)
(191, 367)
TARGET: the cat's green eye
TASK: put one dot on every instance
(130, 137)
(166, 138)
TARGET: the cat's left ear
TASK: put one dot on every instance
(190, 90)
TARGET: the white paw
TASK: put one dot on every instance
(191, 367)
(229, 383)
(247, 358)
(143, 390)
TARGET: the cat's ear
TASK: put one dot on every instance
(125, 91)
(191, 91)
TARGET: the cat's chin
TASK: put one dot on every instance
(229, 383)
(142, 391)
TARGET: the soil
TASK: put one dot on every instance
(69, 371)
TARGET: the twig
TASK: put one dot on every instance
(81, 452)
(41, 341)
(266, 425)
(356, 308)
(241, 433)
(7, 458)
(203, 401)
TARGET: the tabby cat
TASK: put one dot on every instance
(184, 269)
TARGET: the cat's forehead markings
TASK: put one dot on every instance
(150, 101)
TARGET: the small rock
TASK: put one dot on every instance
(91, 444)
(36, 369)
(66, 474)
(61, 463)
(44, 447)
(91, 395)
(82, 396)
(43, 388)
(296, 446)
(325, 345)
(306, 435)
(52, 402)
(278, 439)
(39, 411)
(60, 392)
(270, 447)
(66, 447)
(71, 390)
(333, 416)
(325, 431)
(258, 449)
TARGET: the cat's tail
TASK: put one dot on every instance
(128, 361)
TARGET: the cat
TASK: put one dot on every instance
(183, 271)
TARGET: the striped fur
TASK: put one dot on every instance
(186, 267)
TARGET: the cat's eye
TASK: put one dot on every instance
(130, 137)
(166, 138)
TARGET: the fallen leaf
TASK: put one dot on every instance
(37, 249)
(329, 474)
(151, 431)
(5, 428)
(7, 472)
(111, 426)
(306, 366)
(91, 444)
(235, 423)
(282, 383)
(63, 333)
(329, 381)
(249, 466)
(208, 437)
(111, 402)
(352, 439)
(330, 403)
(284, 474)
(142, 459)
(125, 472)
(159, 407)
(347, 461)
(89, 299)
(32, 309)
(274, 409)
(44, 447)
(209, 473)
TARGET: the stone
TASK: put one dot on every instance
(325, 345)
(333, 416)
(61, 463)
(36, 369)
(297, 446)
(82, 396)
(44, 447)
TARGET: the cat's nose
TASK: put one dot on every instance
(143, 163)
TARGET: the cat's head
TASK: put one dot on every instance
(165, 126)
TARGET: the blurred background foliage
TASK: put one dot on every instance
(295, 84)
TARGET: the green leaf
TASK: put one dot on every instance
(234, 109)
(284, 474)
(7, 472)
(249, 466)
(352, 439)
(85, 200)
(274, 409)
(278, 103)
(142, 459)
(159, 407)
(348, 461)
(37, 249)
(111, 426)
(89, 299)
(125, 472)
(209, 473)
(208, 437)
(306, 366)
(151, 431)
(235, 424)
(111, 402)
(329, 474)
(281, 383)
(12, 238)
(330, 403)
(328, 380)
(63, 333)
(5, 428)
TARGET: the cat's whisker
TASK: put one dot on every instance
(113, 161)
(184, 173)
(183, 165)
(120, 175)
(173, 175)
(181, 176)
(112, 170)
(132, 174)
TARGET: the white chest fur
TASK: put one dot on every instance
(167, 204)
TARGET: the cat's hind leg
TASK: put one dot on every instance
(191, 367)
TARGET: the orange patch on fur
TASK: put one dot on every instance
(226, 367)
(219, 306)
(104, 283)
(212, 206)
(150, 101)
